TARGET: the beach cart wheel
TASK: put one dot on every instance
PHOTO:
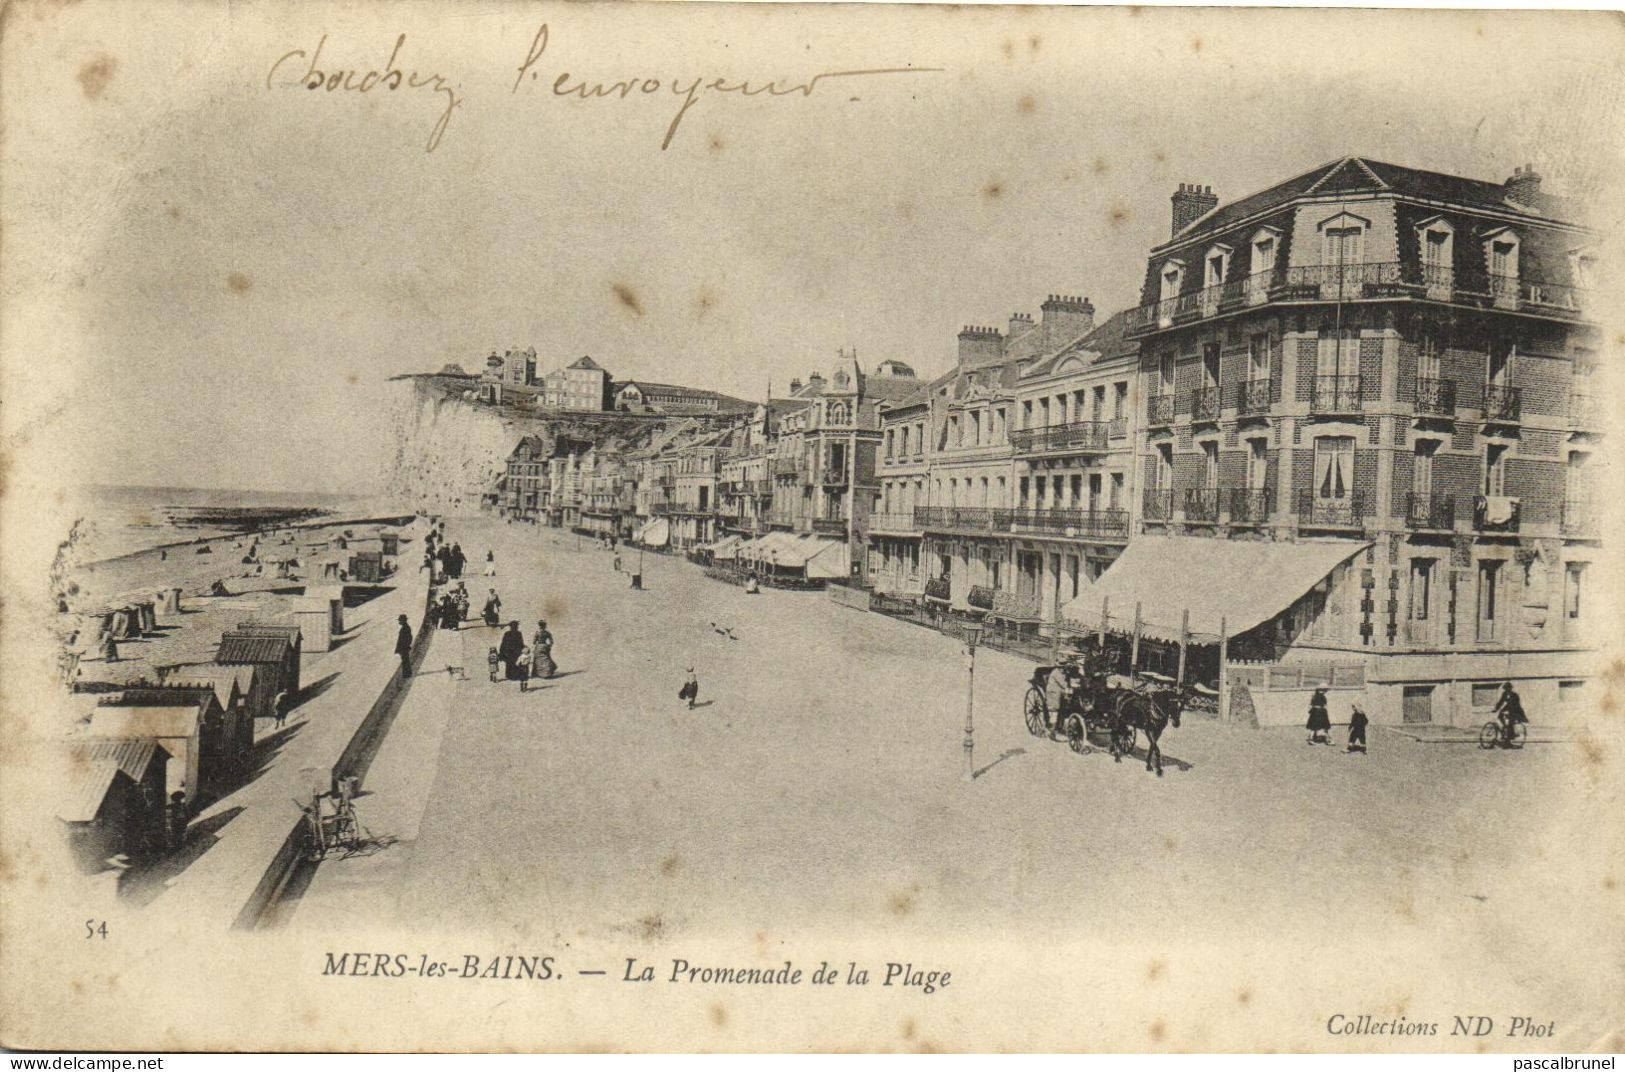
(1037, 712)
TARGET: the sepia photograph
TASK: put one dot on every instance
(704, 527)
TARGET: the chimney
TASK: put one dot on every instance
(1524, 185)
(1190, 202)
(1066, 317)
(979, 345)
(1020, 324)
(795, 386)
(815, 381)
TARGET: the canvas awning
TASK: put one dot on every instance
(655, 533)
(1234, 583)
(725, 549)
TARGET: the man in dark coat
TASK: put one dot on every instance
(509, 650)
(1509, 709)
(403, 648)
(457, 560)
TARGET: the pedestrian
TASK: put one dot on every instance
(751, 587)
(1357, 724)
(1320, 723)
(617, 563)
(279, 709)
(451, 614)
(175, 818)
(690, 690)
(490, 564)
(458, 560)
(493, 609)
(509, 650)
(541, 652)
(403, 647)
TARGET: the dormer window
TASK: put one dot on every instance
(1501, 258)
(1582, 268)
(1266, 246)
(1173, 279)
(1216, 266)
(1436, 247)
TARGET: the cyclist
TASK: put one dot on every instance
(1509, 711)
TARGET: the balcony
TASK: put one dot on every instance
(1335, 394)
(937, 588)
(1159, 409)
(1496, 513)
(1435, 398)
(980, 597)
(1077, 437)
(1253, 397)
(833, 478)
(1108, 523)
(1579, 517)
(827, 526)
(786, 466)
(1159, 504)
(1118, 428)
(759, 488)
(1205, 404)
(1364, 282)
(1200, 506)
(1430, 513)
(890, 523)
(1315, 511)
(962, 519)
(1501, 404)
(1251, 506)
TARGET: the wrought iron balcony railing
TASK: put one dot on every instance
(1201, 505)
(1078, 436)
(1335, 394)
(1430, 513)
(1102, 523)
(1253, 396)
(1205, 404)
(980, 597)
(1496, 513)
(937, 588)
(1250, 506)
(828, 526)
(893, 521)
(1117, 428)
(1354, 282)
(962, 518)
(1343, 512)
(1501, 403)
(1158, 504)
(1436, 398)
(1159, 409)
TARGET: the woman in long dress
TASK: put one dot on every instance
(1320, 723)
(493, 609)
(541, 652)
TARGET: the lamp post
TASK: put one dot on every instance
(972, 632)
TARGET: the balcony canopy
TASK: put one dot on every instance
(655, 534)
(1234, 583)
(724, 549)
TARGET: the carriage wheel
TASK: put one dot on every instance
(1490, 735)
(1122, 740)
(1037, 712)
(1520, 734)
(1077, 736)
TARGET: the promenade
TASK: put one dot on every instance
(819, 789)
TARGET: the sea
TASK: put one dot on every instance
(123, 519)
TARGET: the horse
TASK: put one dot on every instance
(1149, 712)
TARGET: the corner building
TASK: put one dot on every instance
(1399, 360)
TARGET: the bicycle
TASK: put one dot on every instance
(1498, 734)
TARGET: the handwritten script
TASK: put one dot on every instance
(683, 92)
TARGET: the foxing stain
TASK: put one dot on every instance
(95, 74)
(628, 297)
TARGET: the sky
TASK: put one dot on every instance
(210, 272)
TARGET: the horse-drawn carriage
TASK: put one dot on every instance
(1077, 700)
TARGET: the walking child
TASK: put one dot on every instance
(690, 690)
(1357, 724)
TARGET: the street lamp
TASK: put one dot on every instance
(973, 631)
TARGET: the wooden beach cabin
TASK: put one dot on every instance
(273, 649)
(113, 799)
(187, 723)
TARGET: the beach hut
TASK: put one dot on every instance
(186, 723)
(147, 611)
(273, 649)
(237, 692)
(391, 542)
(333, 596)
(113, 799)
(169, 602)
(314, 615)
(367, 566)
